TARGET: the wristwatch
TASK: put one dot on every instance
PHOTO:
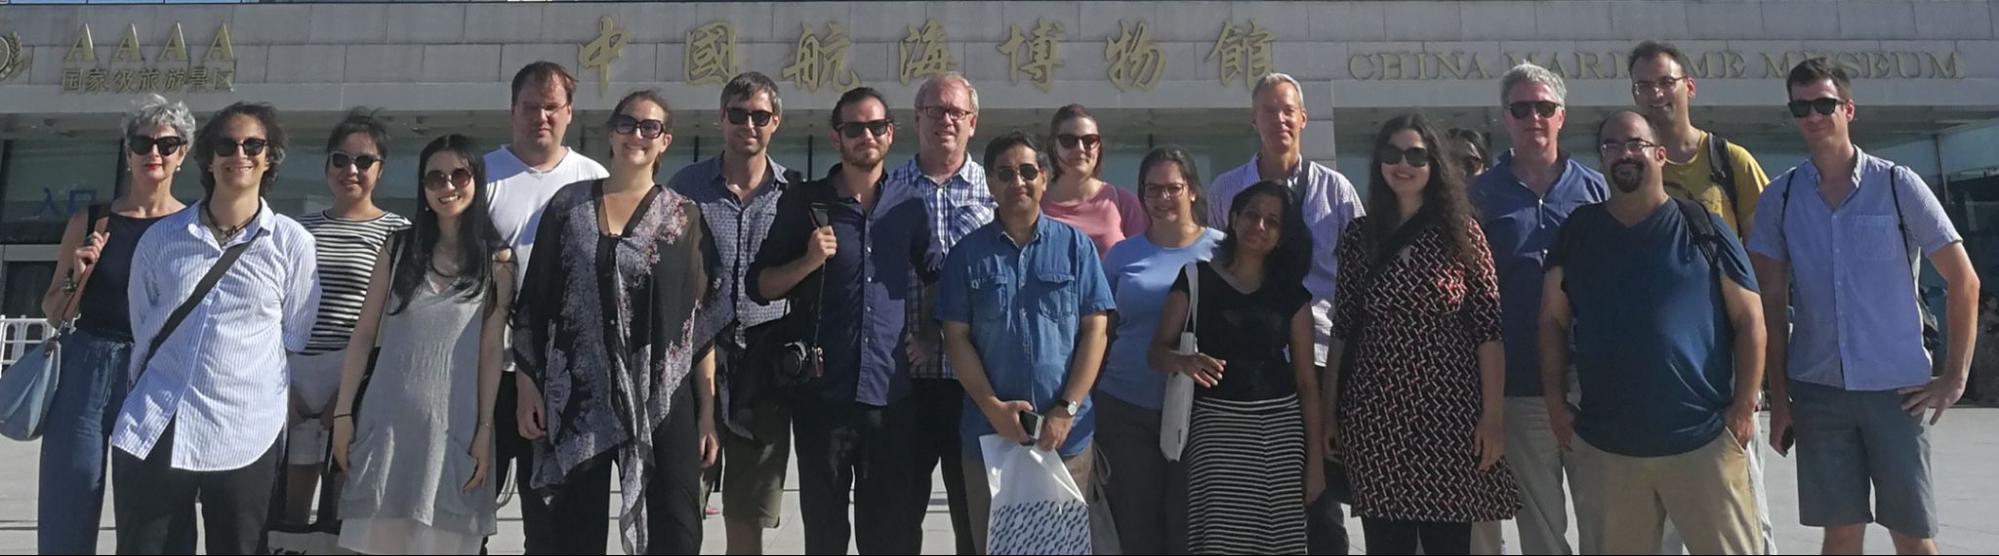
(1069, 407)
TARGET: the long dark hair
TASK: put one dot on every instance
(1444, 197)
(1289, 261)
(477, 239)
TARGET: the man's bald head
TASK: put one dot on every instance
(1632, 156)
(1628, 124)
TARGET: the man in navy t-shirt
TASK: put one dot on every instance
(1668, 352)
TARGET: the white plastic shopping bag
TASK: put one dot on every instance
(1037, 507)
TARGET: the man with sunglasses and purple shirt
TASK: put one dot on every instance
(1853, 379)
(1522, 201)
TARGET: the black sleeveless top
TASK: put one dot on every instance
(103, 310)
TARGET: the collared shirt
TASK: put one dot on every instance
(1854, 287)
(220, 378)
(738, 228)
(1521, 226)
(517, 193)
(867, 287)
(1024, 303)
(957, 206)
(1328, 203)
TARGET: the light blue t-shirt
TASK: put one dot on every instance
(1141, 272)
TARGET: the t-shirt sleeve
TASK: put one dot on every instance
(1131, 211)
(1094, 291)
(1749, 182)
(1928, 225)
(954, 287)
(1734, 260)
(1766, 236)
(1180, 280)
(1560, 251)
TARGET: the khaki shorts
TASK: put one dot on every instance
(753, 469)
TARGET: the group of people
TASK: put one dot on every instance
(1439, 355)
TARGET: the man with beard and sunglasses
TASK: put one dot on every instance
(1853, 379)
(1522, 201)
(738, 191)
(856, 416)
(1667, 333)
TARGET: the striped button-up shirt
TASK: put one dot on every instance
(957, 206)
(1328, 203)
(738, 228)
(220, 378)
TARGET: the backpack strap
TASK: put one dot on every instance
(201, 289)
(1706, 237)
(1721, 168)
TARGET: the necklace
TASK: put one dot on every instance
(225, 231)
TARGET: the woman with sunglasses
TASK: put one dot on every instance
(1255, 406)
(1075, 196)
(98, 246)
(417, 442)
(1421, 369)
(611, 336)
(1468, 146)
(348, 238)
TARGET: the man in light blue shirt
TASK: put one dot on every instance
(205, 413)
(1025, 307)
(1846, 230)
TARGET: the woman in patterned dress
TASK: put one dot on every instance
(610, 334)
(1421, 369)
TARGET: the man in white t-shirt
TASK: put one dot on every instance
(522, 176)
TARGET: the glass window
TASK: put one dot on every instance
(46, 180)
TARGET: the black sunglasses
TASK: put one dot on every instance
(1074, 141)
(360, 163)
(142, 145)
(1417, 157)
(437, 179)
(761, 117)
(627, 125)
(877, 128)
(253, 146)
(1026, 172)
(1521, 109)
(1824, 106)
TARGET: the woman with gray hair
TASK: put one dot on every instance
(92, 270)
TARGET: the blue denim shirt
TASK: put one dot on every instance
(1853, 286)
(1521, 227)
(1024, 305)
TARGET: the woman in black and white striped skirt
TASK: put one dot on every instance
(1246, 443)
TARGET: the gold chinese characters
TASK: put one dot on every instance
(128, 71)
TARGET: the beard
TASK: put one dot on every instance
(1627, 175)
(863, 158)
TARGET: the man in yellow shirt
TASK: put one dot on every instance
(1700, 166)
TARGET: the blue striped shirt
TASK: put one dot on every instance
(220, 378)
(957, 206)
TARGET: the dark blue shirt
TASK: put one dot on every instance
(867, 283)
(1024, 302)
(1520, 226)
(1654, 349)
(738, 227)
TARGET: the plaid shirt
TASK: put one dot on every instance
(957, 206)
(738, 230)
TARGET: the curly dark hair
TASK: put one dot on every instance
(217, 129)
(1444, 197)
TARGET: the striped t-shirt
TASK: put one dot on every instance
(347, 252)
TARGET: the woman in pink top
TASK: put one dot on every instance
(1076, 197)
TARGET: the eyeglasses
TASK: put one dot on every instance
(225, 146)
(1417, 157)
(1474, 163)
(1074, 141)
(877, 128)
(1522, 109)
(761, 117)
(627, 125)
(943, 112)
(1630, 146)
(360, 163)
(1667, 83)
(142, 145)
(1164, 191)
(1824, 106)
(1026, 173)
(438, 180)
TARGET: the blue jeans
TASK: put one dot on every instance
(76, 434)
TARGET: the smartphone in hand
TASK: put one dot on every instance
(820, 218)
(1031, 422)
